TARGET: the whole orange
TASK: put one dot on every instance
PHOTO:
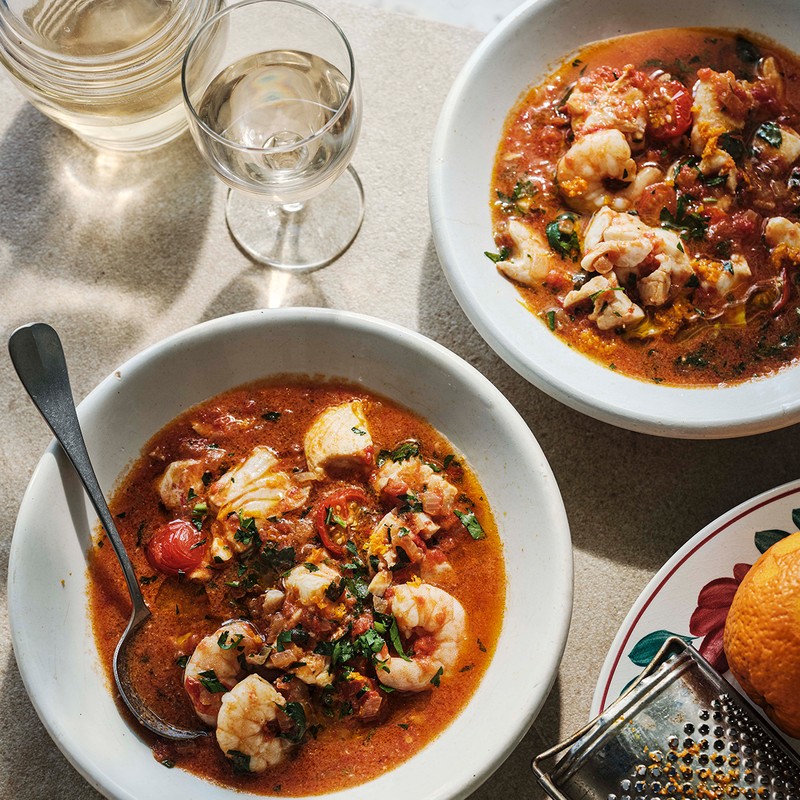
(762, 634)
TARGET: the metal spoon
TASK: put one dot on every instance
(38, 357)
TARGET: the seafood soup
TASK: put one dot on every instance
(646, 203)
(326, 581)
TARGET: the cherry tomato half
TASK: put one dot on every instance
(176, 547)
(670, 110)
(334, 514)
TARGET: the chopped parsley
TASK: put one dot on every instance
(410, 502)
(296, 635)
(199, 512)
(435, 679)
(271, 416)
(732, 145)
(332, 518)
(210, 682)
(551, 320)
(770, 132)
(246, 533)
(562, 236)
(228, 643)
(747, 51)
(297, 715)
(241, 762)
(471, 523)
(402, 452)
(692, 226)
(503, 255)
(522, 191)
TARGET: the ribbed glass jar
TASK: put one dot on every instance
(109, 70)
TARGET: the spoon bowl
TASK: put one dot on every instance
(38, 357)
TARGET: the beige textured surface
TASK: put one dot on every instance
(116, 254)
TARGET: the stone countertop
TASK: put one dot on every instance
(119, 252)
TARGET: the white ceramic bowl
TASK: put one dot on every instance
(518, 53)
(47, 570)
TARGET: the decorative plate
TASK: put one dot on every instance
(691, 594)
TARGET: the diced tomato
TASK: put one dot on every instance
(654, 199)
(557, 281)
(176, 548)
(669, 107)
(334, 515)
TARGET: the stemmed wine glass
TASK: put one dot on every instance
(274, 107)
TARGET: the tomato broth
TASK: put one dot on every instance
(347, 725)
(703, 179)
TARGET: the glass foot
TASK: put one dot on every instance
(298, 237)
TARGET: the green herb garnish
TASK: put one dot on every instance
(503, 255)
(471, 523)
(210, 682)
(562, 236)
(241, 762)
(770, 132)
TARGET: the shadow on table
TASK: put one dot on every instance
(260, 286)
(89, 231)
(27, 746)
(514, 778)
(630, 497)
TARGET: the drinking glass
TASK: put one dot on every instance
(274, 107)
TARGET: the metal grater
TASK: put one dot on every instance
(681, 730)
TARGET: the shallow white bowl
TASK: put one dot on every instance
(50, 626)
(518, 53)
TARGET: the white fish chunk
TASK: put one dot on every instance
(256, 488)
(178, 480)
(339, 438)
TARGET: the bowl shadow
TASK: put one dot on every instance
(73, 215)
(515, 778)
(27, 746)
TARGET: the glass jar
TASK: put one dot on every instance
(109, 70)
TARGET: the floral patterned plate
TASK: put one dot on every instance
(691, 594)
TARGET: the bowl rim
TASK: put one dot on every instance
(669, 419)
(456, 786)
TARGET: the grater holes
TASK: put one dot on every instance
(724, 753)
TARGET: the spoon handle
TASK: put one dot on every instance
(38, 357)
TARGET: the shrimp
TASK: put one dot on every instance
(179, 481)
(583, 170)
(612, 307)
(439, 622)
(308, 587)
(215, 666)
(532, 258)
(248, 725)
(626, 245)
(721, 105)
(404, 532)
(414, 482)
(606, 99)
